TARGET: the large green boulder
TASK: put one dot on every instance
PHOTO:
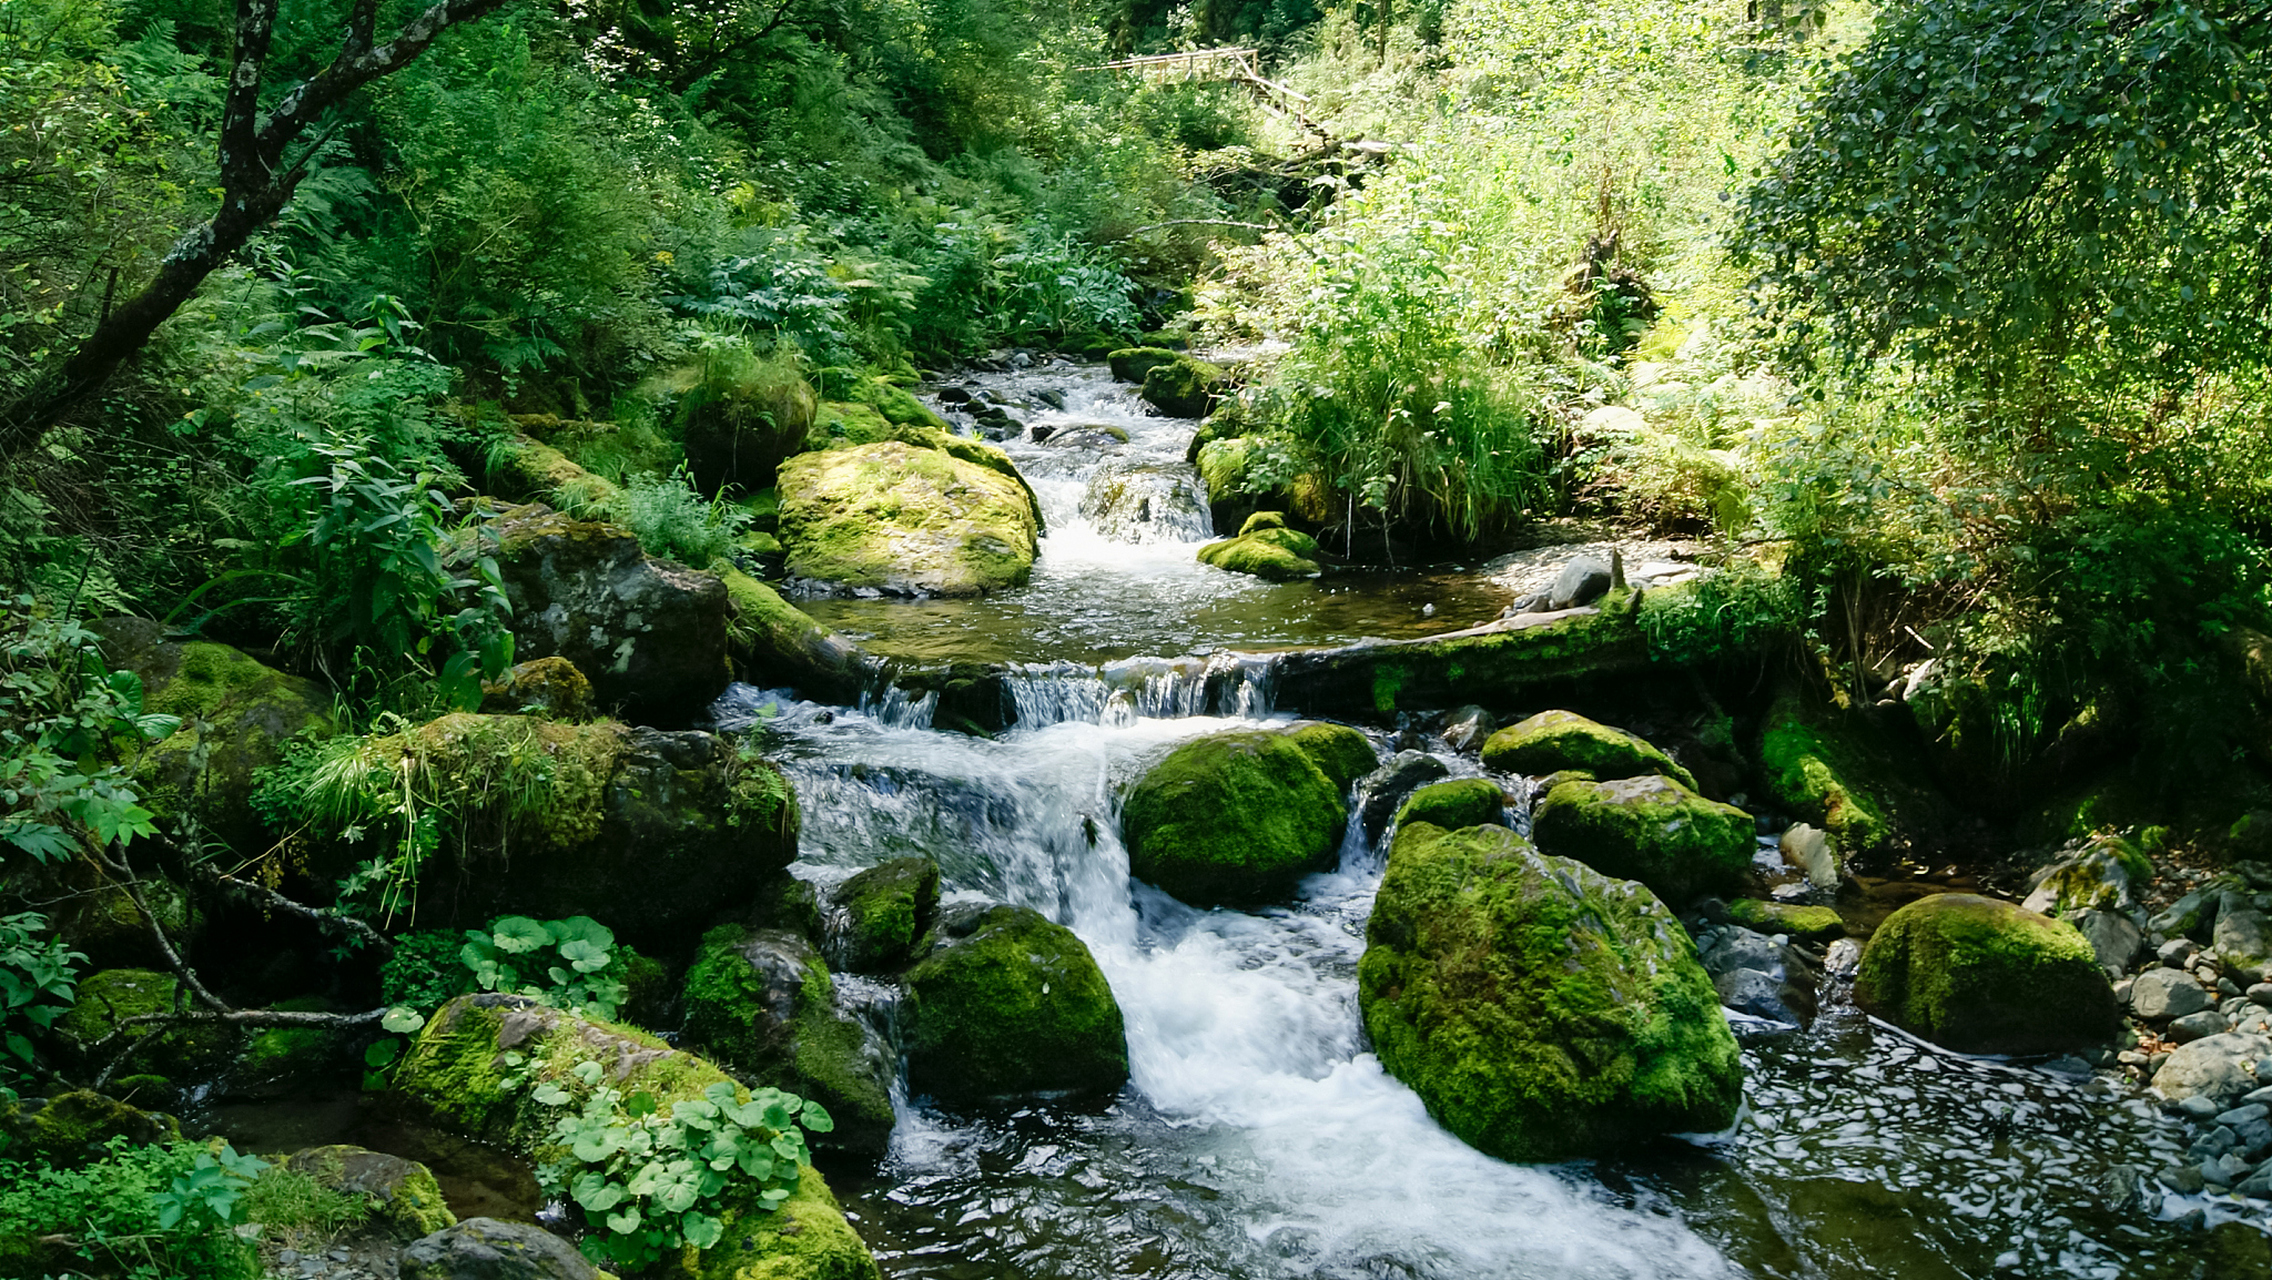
(884, 912)
(478, 1070)
(1266, 548)
(1130, 364)
(743, 417)
(1184, 387)
(908, 520)
(761, 1001)
(1240, 817)
(1562, 741)
(1541, 1010)
(1466, 802)
(236, 716)
(1981, 975)
(75, 1127)
(1010, 1004)
(1651, 829)
(643, 829)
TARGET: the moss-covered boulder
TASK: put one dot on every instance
(645, 830)
(908, 520)
(882, 913)
(1184, 387)
(77, 1126)
(236, 716)
(1558, 741)
(742, 419)
(1980, 975)
(1801, 924)
(1130, 364)
(1266, 548)
(1651, 829)
(649, 634)
(540, 687)
(457, 1076)
(522, 469)
(775, 644)
(1828, 773)
(1539, 1009)
(109, 998)
(2108, 873)
(761, 1002)
(403, 1194)
(277, 1061)
(1467, 802)
(1008, 1004)
(1240, 817)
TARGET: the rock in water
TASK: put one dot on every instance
(487, 1249)
(1147, 502)
(1651, 829)
(761, 1000)
(1386, 788)
(885, 911)
(1540, 1010)
(1130, 364)
(649, 634)
(1980, 975)
(1009, 1004)
(1469, 802)
(1240, 817)
(1266, 548)
(1562, 741)
(908, 520)
(1184, 387)
(1759, 976)
(1807, 924)
(1808, 849)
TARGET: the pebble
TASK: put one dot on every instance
(2199, 1106)
(2261, 993)
(2243, 1114)
(2178, 952)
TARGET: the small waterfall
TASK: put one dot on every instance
(1232, 685)
(897, 707)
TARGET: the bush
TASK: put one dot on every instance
(141, 1213)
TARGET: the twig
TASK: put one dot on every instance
(322, 919)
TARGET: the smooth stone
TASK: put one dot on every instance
(2177, 952)
(2216, 1069)
(2166, 993)
(2198, 1026)
(2184, 1179)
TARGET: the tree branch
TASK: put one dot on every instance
(330, 921)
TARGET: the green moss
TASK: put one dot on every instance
(903, 518)
(1803, 924)
(1184, 387)
(274, 1054)
(1467, 802)
(1512, 662)
(1819, 775)
(548, 686)
(524, 470)
(402, 1194)
(1649, 829)
(108, 998)
(1240, 817)
(887, 909)
(76, 1126)
(455, 1074)
(1979, 975)
(1016, 1006)
(1555, 741)
(1130, 364)
(1540, 1010)
(1275, 553)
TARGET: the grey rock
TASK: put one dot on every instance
(2195, 914)
(2177, 952)
(1468, 727)
(1844, 959)
(2198, 1026)
(1386, 788)
(2184, 1179)
(2260, 993)
(487, 1249)
(2243, 939)
(2166, 993)
(2113, 938)
(2219, 1069)
(2246, 1113)
(1761, 976)
(2257, 1185)
(1582, 581)
(2094, 877)
(2258, 1097)
(2123, 1188)
(2227, 1169)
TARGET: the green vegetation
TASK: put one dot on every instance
(1554, 742)
(1651, 829)
(1983, 976)
(1012, 1004)
(139, 1212)
(1239, 817)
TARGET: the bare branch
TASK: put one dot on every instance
(330, 921)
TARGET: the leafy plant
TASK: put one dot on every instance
(670, 519)
(38, 979)
(565, 963)
(209, 1188)
(59, 714)
(141, 1212)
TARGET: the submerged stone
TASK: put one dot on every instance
(1240, 817)
(1539, 1009)
(1980, 975)
(1009, 1004)
(1651, 829)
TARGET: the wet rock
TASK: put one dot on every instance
(1980, 975)
(2158, 994)
(405, 1197)
(2124, 1189)
(1469, 802)
(1466, 728)
(2104, 875)
(649, 634)
(1383, 790)
(885, 912)
(1240, 817)
(77, 1126)
(2113, 938)
(1130, 364)
(907, 520)
(487, 1249)
(1756, 975)
(1266, 548)
(1581, 582)
(1808, 849)
(2196, 1026)
(1843, 959)
(775, 644)
(1650, 829)
(761, 1001)
(1014, 1006)
(1184, 387)
(1539, 1009)
(1559, 741)
(1806, 924)
(1094, 436)
(450, 1078)
(2185, 1180)
(2218, 1069)
(1146, 503)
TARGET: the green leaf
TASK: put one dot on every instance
(625, 1222)
(382, 1054)
(402, 1020)
(701, 1230)
(816, 1118)
(517, 935)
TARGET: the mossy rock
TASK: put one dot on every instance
(1541, 1010)
(1012, 1005)
(643, 829)
(1183, 387)
(541, 687)
(2107, 874)
(404, 1196)
(1130, 364)
(454, 1076)
(1800, 924)
(885, 911)
(1555, 741)
(893, 403)
(761, 1001)
(909, 520)
(775, 644)
(1829, 774)
(521, 469)
(1650, 829)
(1980, 975)
(236, 716)
(1271, 552)
(280, 1060)
(743, 420)
(107, 998)
(77, 1127)
(1464, 802)
(1238, 818)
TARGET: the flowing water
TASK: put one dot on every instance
(1258, 1137)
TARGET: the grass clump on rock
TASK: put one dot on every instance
(1240, 817)
(1541, 1010)
(1980, 975)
